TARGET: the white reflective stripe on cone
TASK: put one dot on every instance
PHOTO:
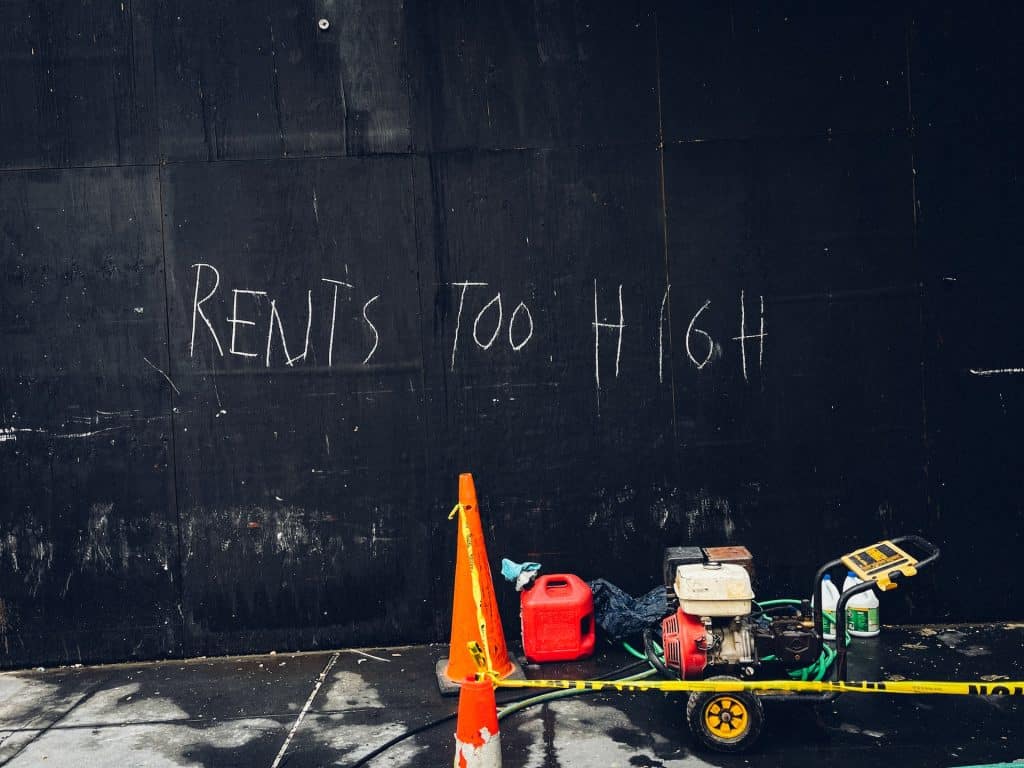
(487, 755)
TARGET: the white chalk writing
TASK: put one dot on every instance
(235, 322)
(598, 325)
(373, 328)
(690, 330)
(497, 326)
(743, 338)
(495, 304)
(255, 313)
(197, 307)
(520, 307)
(275, 316)
(242, 317)
(458, 316)
(334, 310)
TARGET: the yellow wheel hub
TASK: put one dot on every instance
(726, 717)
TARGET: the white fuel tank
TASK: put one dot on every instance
(713, 589)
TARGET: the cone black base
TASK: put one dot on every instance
(449, 687)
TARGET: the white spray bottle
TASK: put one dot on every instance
(862, 610)
(829, 599)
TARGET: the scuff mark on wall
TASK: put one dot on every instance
(666, 510)
(284, 530)
(42, 562)
(290, 532)
(95, 546)
(28, 550)
(609, 506)
(376, 538)
(707, 514)
(702, 513)
(243, 563)
(887, 517)
(9, 434)
(10, 548)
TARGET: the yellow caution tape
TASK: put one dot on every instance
(480, 658)
(768, 687)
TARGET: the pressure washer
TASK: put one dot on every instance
(716, 631)
(730, 653)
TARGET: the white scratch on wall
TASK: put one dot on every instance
(996, 371)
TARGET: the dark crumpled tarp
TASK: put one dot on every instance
(622, 616)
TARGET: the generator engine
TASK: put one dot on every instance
(715, 627)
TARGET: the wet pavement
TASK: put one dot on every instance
(333, 708)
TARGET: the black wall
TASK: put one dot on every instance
(812, 220)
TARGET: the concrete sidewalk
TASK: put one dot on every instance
(331, 708)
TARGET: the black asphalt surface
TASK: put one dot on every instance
(332, 708)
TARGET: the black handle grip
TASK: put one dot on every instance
(923, 546)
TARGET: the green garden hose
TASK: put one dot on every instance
(816, 671)
(554, 695)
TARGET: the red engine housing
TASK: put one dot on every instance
(684, 638)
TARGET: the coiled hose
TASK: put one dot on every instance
(817, 670)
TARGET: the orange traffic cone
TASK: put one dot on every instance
(477, 741)
(474, 608)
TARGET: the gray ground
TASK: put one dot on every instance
(249, 712)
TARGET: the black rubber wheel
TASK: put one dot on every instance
(725, 722)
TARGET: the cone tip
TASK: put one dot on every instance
(467, 489)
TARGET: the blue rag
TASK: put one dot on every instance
(511, 571)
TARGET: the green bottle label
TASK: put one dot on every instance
(864, 619)
(858, 620)
(873, 625)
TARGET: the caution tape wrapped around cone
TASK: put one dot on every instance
(475, 616)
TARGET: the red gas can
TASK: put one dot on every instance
(557, 615)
